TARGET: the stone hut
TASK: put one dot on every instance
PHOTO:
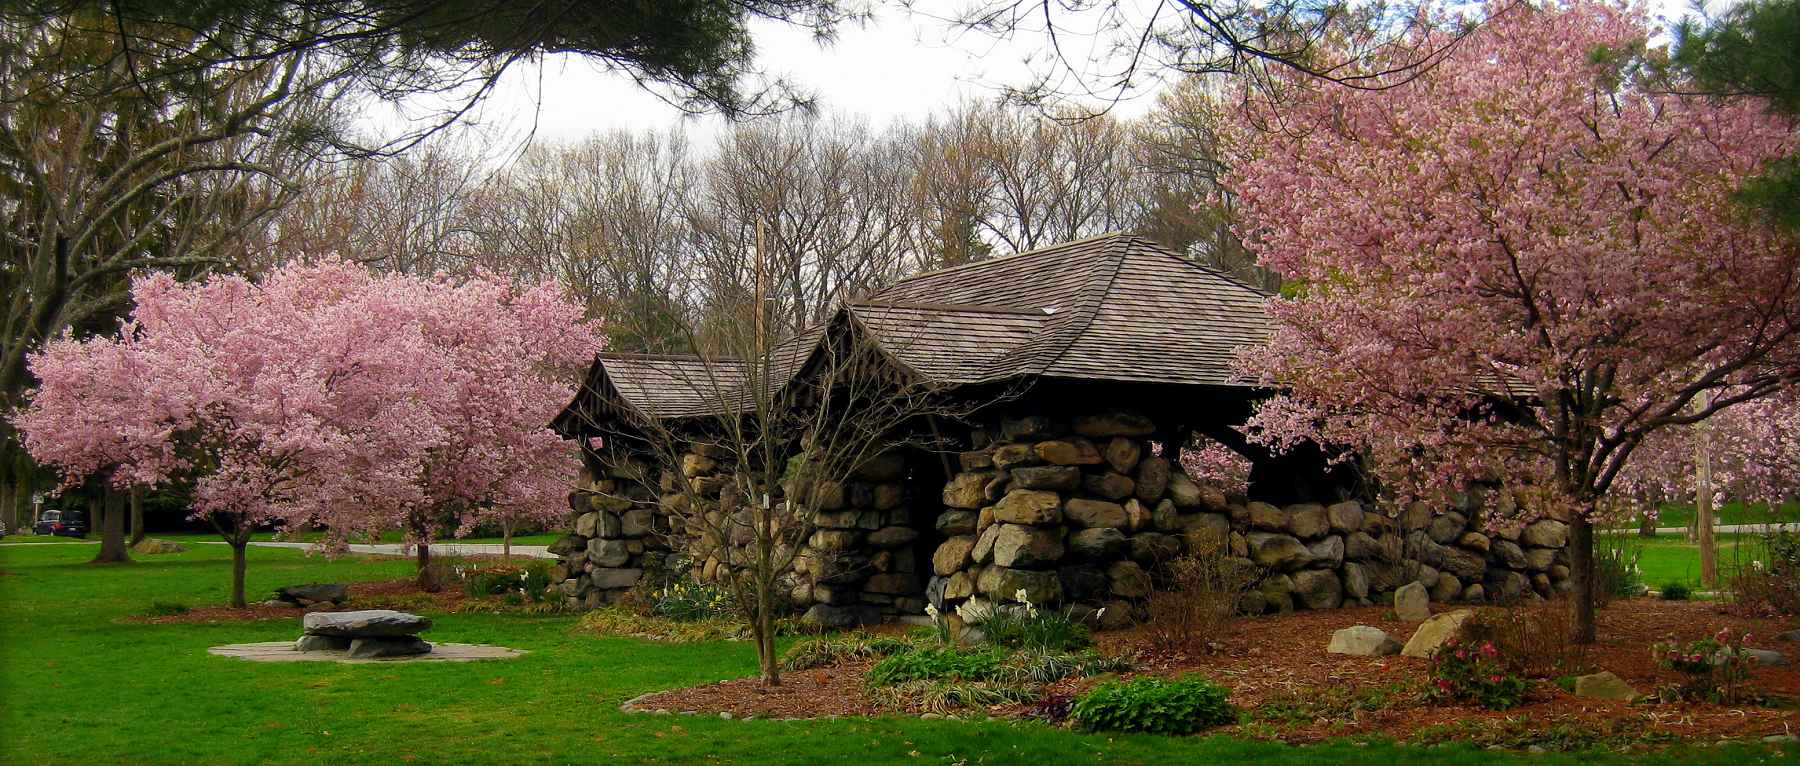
(1071, 490)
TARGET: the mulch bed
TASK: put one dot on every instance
(362, 595)
(1282, 658)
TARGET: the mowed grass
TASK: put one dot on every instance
(79, 685)
(1671, 558)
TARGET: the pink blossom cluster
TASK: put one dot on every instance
(1213, 463)
(1754, 451)
(323, 394)
(1517, 265)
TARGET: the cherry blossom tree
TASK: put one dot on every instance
(322, 395)
(1518, 266)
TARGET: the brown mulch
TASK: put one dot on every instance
(815, 693)
(1282, 658)
(362, 595)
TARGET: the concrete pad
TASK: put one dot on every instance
(284, 651)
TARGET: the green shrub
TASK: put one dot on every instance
(1154, 705)
(1027, 627)
(1475, 673)
(937, 665)
(1675, 590)
(684, 600)
(945, 696)
(166, 609)
(523, 582)
(1041, 667)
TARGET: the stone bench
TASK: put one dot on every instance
(366, 634)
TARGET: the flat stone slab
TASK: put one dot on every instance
(366, 623)
(284, 651)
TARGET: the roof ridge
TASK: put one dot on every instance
(1089, 302)
(982, 308)
(1007, 257)
(1168, 252)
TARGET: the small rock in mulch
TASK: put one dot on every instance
(1757, 656)
(1788, 635)
(1363, 641)
(1434, 632)
(314, 593)
(1604, 685)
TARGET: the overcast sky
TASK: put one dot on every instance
(898, 66)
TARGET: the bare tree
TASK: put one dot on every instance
(786, 424)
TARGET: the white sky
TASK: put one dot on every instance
(897, 66)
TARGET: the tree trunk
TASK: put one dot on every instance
(1703, 508)
(112, 536)
(137, 514)
(1646, 524)
(506, 530)
(1581, 570)
(239, 546)
(765, 637)
(427, 579)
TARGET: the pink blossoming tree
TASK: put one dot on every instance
(1516, 267)
(322, 395)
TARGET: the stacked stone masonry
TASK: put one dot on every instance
(1067, 511)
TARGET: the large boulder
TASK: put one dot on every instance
(1128, 579)
(1508, 552)
(1152, 548)
(1084, 583)
(1027, 547)
(1545, 533)
(614, 579)
(1446, 527)
(1362, 641)
(1434, 632)
(1152, 479)
(608, 553)
(1004, 583)
(366, 623)
(1068, 452)
(374, 648)
(151, 546)
(1278, 551)
(1109, 485)
(1308, 521)
(1185, 493)
(1346, 517)
(952, 555)
(1056, 477)
(1412, 603)
(1206, 532)
(1030, 507)
(967, 490)
(1266, 517)
(1122, 454)
(313, 593)
(1356, 581)
(1319, 589)
(1083, 512)
(1099, 544)
(952, 523)
(1328, 552)
(840, 617)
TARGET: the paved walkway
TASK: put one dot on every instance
(396, 549)
(1735, 529)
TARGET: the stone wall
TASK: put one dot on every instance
(1074, 511)
(1080, 511)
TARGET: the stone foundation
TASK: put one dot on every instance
(1074, 511)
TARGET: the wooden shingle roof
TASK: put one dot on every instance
(1115, 307)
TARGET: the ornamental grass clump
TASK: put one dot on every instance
(1715, 669)
(1474, 672)
(1154, 706)
(1028, 627)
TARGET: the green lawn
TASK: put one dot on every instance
(1682, 514)
(77, 685)
(1671, 558)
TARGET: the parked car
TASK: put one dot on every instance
(62, 523)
